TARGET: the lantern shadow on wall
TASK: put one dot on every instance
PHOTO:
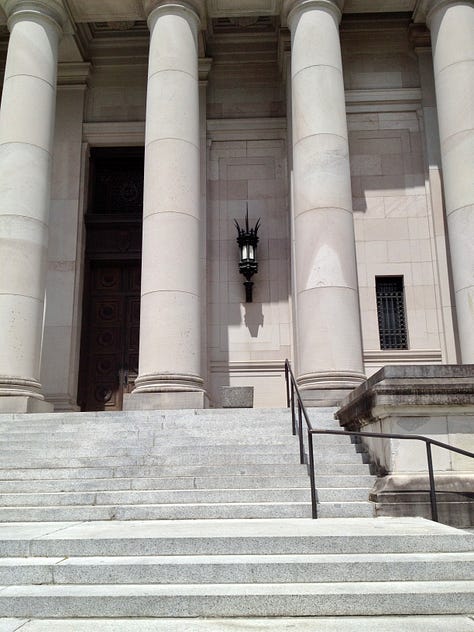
(247, 238)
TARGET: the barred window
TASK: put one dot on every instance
(391, 312)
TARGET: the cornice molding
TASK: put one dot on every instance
(204, 67)
(114, 134)
(406, 356)
(419, 36)
(73, 73)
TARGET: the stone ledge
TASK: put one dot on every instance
(433, 388)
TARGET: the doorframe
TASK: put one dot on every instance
(104, 134)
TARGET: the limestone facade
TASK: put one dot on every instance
(347, 127)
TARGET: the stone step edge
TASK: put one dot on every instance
(394, 623)
(236, 558)
(243, 589)
(197, 491)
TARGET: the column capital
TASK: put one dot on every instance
(196, 7)
(52, 10)
(291, 8)
(431, 7)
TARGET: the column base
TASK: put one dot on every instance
(328, 389)
(24, 404)
(170, 400)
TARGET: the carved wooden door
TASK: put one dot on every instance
(113, 325)
(111, 306)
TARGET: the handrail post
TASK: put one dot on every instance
(300, 433)
(287, 380)
(293, 416)
(312, 477)
(434, 505)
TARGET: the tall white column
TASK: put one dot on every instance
(26, 137)
(170, 321)
(328, 319)
(452, 34)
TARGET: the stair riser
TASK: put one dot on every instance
(147, 471)
(144, 419)
(155, 512)
(246, 573)
(327, 454)
(156, 497)
(188, 482)
(234, 606)
(113, 439)
(346, 510)
(166, 496)
(204, 458)
(175, 460)
(301, 545)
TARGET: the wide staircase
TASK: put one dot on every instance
(200, 521)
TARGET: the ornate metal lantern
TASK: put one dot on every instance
(248, 265)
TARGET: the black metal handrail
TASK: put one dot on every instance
(297, 429)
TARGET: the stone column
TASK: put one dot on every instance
(328, 318)
(452, 27)
(170, 325)
(26, 138)
(421, 41)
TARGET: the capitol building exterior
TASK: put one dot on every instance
(134, 132)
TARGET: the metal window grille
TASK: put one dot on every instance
(391, 312)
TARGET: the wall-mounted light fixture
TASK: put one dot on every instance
(248, 265)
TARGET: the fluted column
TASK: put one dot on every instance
(26, 136)
(452, 34)
(328, 320)
(170, 326)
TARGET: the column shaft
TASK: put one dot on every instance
(452, 29)
(328, 320)
(26, 135)
(170, 328)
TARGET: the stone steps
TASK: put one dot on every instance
(235, 568)
(138, 525)
(219, 451)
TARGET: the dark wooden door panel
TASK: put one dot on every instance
(111, 305)
(113, 327)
